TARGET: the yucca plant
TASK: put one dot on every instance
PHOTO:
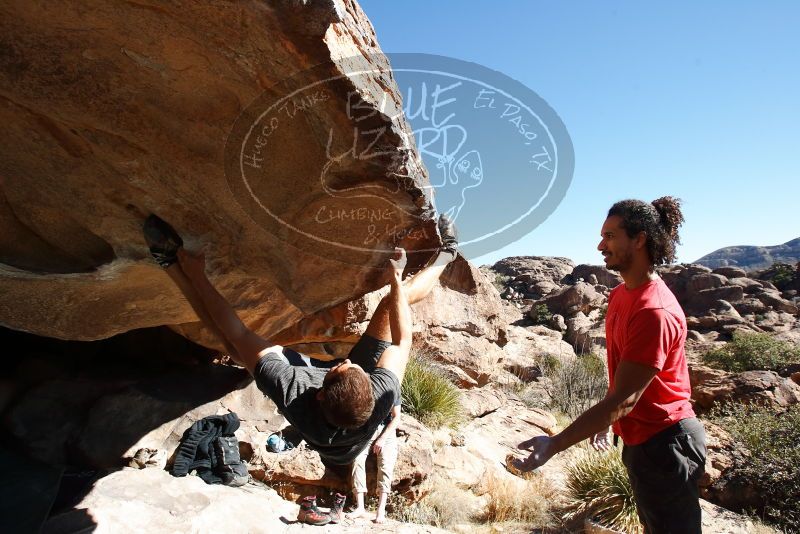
(429, 396)
(598, 486)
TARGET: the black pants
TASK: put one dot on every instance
(664, 472)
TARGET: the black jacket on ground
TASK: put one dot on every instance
(196, 449)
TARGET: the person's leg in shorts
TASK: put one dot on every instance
(378, 335)
(387, 459)
(359, 477)
(664, 473)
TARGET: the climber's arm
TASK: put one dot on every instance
(248, 345)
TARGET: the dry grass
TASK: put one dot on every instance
(446, 505)
(761, 528)
(515, 503)
(517, 500)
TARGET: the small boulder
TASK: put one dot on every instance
(706, 281)
(730, 272)
(581, 297)
(479, 402)
(601, 275)
(557, 323)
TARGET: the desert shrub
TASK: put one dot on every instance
(518, 500)
(781, 275)
(500, 281)
(750, 351)
(773, 468)
(446, 505)
(549, 363)
(598, 486)
(575, 385)
(542, 314)
(429, 396)
(518, 381)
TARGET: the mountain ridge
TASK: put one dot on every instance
(752, 257)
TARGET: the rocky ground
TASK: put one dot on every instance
(93, 407)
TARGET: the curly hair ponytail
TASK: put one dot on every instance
(660, 220)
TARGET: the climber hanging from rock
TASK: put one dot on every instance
(336, 410)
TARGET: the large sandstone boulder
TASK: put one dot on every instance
(47, 418)
(706, 281)
(585, 335)
(774, 301)
(124, 109)
(530, 270)
(481, 402)
(699, 301)
(711, 386)
(720, 451)
(488, 440)
(527, 347)
(748, 285)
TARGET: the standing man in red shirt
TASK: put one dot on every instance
(648, 395)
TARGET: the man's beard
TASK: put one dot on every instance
(618, 264)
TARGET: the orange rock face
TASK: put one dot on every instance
(112, 111)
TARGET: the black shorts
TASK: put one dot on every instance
(664, 472)
(366, 353)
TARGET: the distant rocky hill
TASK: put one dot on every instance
(751, 257)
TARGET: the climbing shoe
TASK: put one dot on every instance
(162, 239)
(448, 234)
(337, 510)
(310, 514)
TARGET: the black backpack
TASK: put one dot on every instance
(227, 464)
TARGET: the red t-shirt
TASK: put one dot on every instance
(647, 325)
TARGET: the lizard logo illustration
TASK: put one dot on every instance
(451, 175)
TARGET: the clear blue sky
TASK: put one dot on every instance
(699, 100)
